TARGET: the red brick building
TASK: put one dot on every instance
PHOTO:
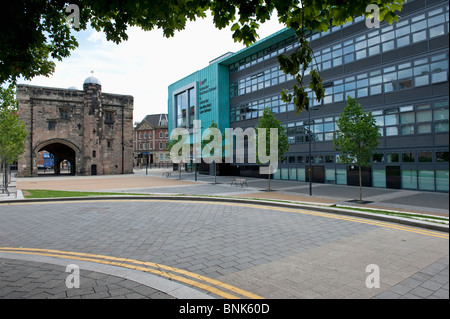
(150, 137)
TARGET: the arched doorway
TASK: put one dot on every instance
(64, 156)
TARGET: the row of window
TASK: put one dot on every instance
(259, 81)
(143, 136)
(407, 75)
(392, 78)
(284, 46)
(408, 31)
(405, 120)
(149, 146)
(391, 157)
(422, 179)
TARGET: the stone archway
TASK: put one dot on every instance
(62, 150)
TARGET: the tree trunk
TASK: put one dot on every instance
(215, 173)
(268, 189)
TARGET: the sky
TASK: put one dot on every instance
(147, 63)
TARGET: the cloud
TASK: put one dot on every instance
(147, 63)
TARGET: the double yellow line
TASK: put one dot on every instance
(361, 220)
(207, 284)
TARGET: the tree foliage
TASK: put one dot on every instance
(34, 33)
(268, 121)
(12, 130)
(356, 137)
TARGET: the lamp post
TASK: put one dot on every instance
(309, 142)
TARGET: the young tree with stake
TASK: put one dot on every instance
(356, 136)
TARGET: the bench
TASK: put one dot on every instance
(167, 174)
(240, 181)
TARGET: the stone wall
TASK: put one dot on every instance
(90, 129)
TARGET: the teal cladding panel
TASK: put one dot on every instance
(212, 102)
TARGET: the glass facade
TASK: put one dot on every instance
(399, 72)
(185, 104)
(408, 118)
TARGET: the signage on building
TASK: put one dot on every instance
(205, 105)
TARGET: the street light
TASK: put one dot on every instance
(309, 144)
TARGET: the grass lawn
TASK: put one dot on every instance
(39, 193)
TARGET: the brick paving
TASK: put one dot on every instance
(267, 251)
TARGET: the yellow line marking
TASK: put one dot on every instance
(259, 206)
(121, 262)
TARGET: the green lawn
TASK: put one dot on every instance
(39, 193)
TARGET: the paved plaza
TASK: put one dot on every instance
(177, 248)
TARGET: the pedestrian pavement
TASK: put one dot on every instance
(188, 183)
(37, 275)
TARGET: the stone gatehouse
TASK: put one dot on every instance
(89, 129)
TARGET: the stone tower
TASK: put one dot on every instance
(90, 129)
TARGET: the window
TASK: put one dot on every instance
(378, 158)
(442, 156)
(423, 116)
(439, 69)
(424, 157)
(51, 125)
(378, 178)
(63, 114)
(184, 107)
(437, 31)
(442, 180)
(441, 117)
(94, 153)
(181, 106)
(421, 71)
(409, 179)
(388, 46)
(392, 158)
(426, 179)
(419, 36)
(404, 41)
(329, 158)
(408, 157)
(109, 117)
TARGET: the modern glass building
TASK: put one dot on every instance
(398, 72)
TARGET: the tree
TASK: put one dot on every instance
(33, 33)
(213, 147)
(266, 122)
(356, 137)
(12, 130)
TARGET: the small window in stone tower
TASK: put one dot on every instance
(63, 114)
(51, 125)
(109, 117)
(94, 153)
